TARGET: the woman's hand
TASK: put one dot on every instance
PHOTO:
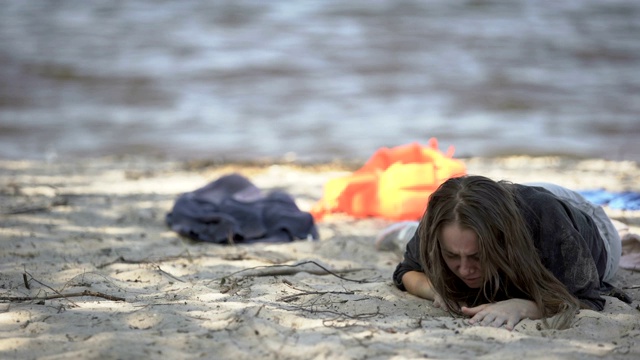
(508, 313)
(438, 302)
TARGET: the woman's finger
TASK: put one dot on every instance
(478, 318)
(472, 311)
(512, 323)
(488, 319)
(498, 321)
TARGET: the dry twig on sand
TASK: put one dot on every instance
(30, 209)
(58, 294)
(273, 270)
(122, 260)
(289, 298)
(62, 295)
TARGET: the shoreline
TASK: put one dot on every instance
(97, 225)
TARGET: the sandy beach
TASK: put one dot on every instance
(89, 270)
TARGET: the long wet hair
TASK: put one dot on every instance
(509, 260)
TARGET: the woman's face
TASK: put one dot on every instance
(460, 252)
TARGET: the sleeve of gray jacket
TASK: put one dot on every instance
(410, 262)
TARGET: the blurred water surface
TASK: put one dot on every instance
(318, 80)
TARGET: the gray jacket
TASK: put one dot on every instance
(568, 243)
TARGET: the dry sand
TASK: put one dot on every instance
(98, 226)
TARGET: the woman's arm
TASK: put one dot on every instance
(418, 284)
(410, 263)
(509, 312)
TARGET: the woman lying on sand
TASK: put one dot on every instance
(500, 252)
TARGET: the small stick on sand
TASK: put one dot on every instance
(272, 270)
(295, 296)
(60, 295)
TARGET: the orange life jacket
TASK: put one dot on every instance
(395, 183)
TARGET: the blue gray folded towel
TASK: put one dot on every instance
(624, 200)
(233, 210)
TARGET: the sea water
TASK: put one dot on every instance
(318, 80)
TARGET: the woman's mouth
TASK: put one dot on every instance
(472, 281)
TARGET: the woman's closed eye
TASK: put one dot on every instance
(451, 256)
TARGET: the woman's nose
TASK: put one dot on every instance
(466, 267)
